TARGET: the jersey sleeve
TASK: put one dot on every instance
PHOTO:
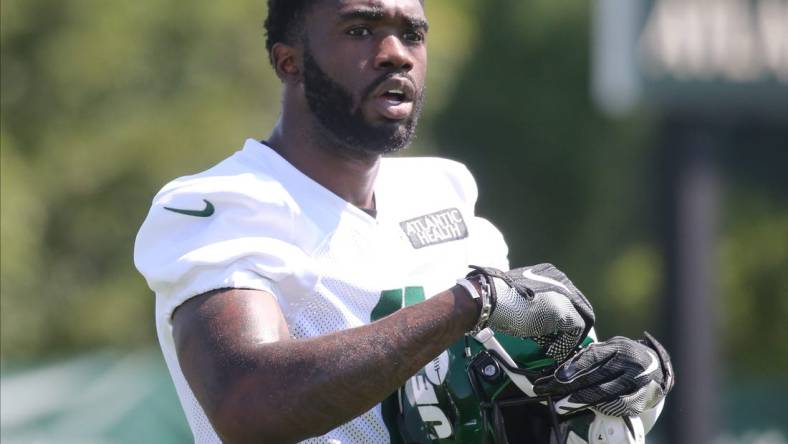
(203, 234)
(487, 245)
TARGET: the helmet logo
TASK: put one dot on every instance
(420, 393)
(437, 368)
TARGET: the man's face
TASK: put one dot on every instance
(364, 68)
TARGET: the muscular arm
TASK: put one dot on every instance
(258, 385)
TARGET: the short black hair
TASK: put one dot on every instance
(285, 21)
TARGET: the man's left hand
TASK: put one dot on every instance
(618, 377)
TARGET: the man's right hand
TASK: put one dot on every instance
(538, 302)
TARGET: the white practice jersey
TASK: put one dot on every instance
(254, 221)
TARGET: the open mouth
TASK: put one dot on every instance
(395, 96)
(393, 99)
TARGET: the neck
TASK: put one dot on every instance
(348, 174)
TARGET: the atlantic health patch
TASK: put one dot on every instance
(435, 228)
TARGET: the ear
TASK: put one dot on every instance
(286, 62)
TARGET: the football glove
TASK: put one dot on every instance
(537, 302)
(618, 377)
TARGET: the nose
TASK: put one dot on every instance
(393, 55)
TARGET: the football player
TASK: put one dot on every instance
(304, 283)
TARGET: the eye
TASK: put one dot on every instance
(359, 31)
(413, 36)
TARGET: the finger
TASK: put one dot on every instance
(563, 345)
(549, 386)
(608, 398)
(554, 313)
(580, 302)
(557, 386)
(627, 405)
(636, 402)
(589, 367)
(589, 360)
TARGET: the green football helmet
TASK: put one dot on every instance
(480, 391)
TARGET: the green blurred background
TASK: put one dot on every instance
(104, 102)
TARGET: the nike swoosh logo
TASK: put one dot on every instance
(528, 274)
(564, 405)
(205, 212)
(652, 366)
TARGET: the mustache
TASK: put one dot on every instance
(377, 82)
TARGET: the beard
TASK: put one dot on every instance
(342, 121)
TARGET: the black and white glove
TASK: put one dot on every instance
(618, 377)
(537, 302)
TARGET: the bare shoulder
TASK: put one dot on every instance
(229, 318)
